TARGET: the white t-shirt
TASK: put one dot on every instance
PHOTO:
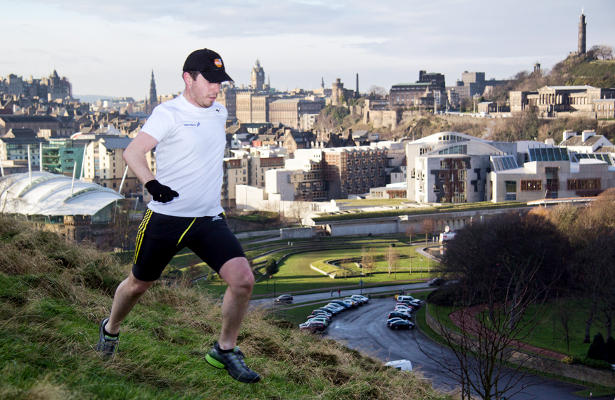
(189, 156)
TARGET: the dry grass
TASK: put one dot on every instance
(52, 295)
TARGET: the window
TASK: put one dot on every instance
(584, 184)
(531, 185)
(511, 190)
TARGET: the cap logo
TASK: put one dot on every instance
(218, 62)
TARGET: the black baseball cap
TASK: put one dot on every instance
(209, 64)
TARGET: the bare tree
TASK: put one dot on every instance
(429, 225)
(492, 332)
(367, 261)
(392, 259)
(602, 52)
(504, 266)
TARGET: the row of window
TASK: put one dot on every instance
(534, 185)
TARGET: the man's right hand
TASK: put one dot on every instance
(160, 192)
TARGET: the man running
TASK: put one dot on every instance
(189, 137)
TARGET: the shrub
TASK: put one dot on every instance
(597, 349)
(610, 350)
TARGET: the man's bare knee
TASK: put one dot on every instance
(137, 286)
(238, 274)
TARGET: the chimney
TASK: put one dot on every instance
(568, 134)
(586, 135)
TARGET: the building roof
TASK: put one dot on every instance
(117, 143)
(50, 194)
(577, 140)
(28, 118)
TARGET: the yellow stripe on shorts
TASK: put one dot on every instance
(186, 231)
(140, 233)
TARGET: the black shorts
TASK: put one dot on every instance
(160, 237)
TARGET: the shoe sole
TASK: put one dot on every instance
(215, 363)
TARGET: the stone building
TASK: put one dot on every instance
(291, 112)
(33, 122)
(251, 107)
(561, 101)
(257, 77)
(429, 89)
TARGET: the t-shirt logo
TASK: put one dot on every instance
(195, 124)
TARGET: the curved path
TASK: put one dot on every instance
(364, 329)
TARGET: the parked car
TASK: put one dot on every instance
(284, 298)
(400, 324)
(341, 303)
(362, 299)
(354, 302)
(406, 297)
(399, 314)
(405, 309)
(325, 316)
(414, 303)
(335, 308)
(318, 319)
(320, 311)
(402, 365)
(436, 282)
(313, 326)
(344, 303)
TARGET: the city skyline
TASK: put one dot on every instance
(110, 49)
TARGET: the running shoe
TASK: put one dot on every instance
(233, 362)
(107, 344)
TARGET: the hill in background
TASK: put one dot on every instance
(53, 294)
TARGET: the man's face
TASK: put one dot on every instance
(200, 92)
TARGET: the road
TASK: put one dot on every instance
(364, 329)
(308, 298)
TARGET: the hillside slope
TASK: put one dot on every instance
(53, 294)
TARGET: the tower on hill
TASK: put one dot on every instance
(582, 34)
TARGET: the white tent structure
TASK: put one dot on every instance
(46, 194)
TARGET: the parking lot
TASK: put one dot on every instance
(365, 329)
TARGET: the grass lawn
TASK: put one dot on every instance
(549, 333)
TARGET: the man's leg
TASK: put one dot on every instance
(126, 296)
(237, 273)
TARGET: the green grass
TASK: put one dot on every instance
(549, 333)
(417, 211)
(53, 295)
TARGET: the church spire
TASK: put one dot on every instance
(153, 96)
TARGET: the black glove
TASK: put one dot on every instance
(160, 192)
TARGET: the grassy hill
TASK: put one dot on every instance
(53, 294)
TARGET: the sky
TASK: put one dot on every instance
(110, 47)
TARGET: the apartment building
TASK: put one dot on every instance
(258, 165)
(353, 170)
(235, 172)
(103, 163)
(15, 143)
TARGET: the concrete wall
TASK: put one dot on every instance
(297, 233)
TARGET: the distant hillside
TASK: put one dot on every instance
(593, 73)
(573, 70)
(53, 294)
